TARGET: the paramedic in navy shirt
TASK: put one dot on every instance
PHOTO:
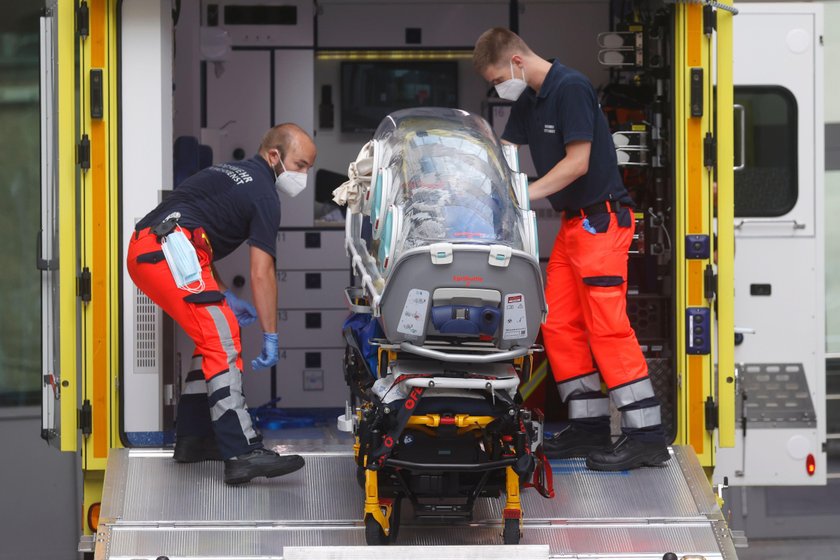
(556, 113)
(218, 209)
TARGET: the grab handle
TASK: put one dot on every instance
(464, 358)
(743, 112)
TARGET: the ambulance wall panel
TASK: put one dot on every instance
(239, 102)
(294, 101)
(567, 30)
(299, 34)
(384, 24)
(146, 170)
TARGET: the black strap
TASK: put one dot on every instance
(606, 207)
(377, 458)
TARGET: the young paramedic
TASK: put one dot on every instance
(556, 112)
(214, 212)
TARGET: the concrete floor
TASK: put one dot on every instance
(789, 549)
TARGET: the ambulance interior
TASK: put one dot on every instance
(224, 72)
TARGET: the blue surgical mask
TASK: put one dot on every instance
(182, 260)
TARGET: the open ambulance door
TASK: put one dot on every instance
(779, 244)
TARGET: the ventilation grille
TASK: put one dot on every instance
(145, 331)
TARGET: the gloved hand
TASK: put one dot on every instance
(244, 311)
(268, 357)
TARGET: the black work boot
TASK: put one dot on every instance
(192, 449)
(260, 462)
(629, 453)
(575, 441)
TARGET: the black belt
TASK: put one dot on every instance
(605, 207)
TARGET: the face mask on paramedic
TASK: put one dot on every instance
(290, 182)
(511, 89)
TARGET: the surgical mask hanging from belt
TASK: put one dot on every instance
(180, 254)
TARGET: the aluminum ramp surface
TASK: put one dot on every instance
(154, 507)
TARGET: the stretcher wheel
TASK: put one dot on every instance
(374, 535)
(512, 531)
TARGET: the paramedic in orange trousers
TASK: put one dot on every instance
(556, 112)
(218, 209)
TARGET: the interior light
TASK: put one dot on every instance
(810, 464)
(393, 54)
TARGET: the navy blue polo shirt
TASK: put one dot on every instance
(234, 202)
(567, 109)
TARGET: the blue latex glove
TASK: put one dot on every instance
(268, 357)
(244, 311)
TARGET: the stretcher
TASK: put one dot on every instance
(450, 296)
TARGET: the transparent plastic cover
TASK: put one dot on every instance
(450, 179)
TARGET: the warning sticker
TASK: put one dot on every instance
(413, 318)
(514, 320)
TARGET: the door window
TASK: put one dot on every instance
(20, 281)
(766, 183)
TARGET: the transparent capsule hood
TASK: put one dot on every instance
(444, 171)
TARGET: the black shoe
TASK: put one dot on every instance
(628, 453)
(260, 462)
(192, 449)
(574, 441)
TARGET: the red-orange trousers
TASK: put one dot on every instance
(212, 326)
(586, 289)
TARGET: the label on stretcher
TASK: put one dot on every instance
(514, 321)
(413, 318)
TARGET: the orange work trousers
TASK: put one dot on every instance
(212, 326)
(586, 291)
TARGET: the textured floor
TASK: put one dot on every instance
(785, 549)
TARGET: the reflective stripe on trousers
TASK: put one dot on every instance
(212, 326)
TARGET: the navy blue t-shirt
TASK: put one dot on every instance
(233, 202)
(567, 109)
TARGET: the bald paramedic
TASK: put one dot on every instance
(556, 113)
(170, 259)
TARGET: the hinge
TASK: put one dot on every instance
(709, 151)
(709, 283)
(83, 152)
(85, 418)
(84, 285)
(709, 20)
(83, 20)
(696, 92)
(711, 414)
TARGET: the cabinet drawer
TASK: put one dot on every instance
(300, 328)
(303, 289)
(311, 250)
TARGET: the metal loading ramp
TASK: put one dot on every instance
(154, 507)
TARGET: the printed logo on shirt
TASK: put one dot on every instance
(237, 174)
(549, 129)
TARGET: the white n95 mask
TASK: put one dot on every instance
(182, 260)
(511, 89)
(290, 182)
